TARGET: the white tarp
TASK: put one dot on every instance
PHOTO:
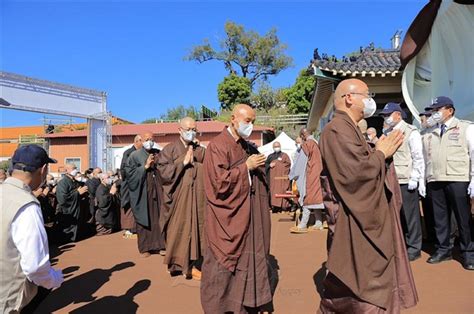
(288, 146)
(117, 154)
(445, 64)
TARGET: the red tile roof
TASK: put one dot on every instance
(156, 128)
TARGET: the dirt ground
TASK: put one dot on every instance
(106, 275)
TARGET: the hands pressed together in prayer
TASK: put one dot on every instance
(150, 161)
(188, 159)
(113, 189)
(255, 161)
(82, 190)
(388, 145)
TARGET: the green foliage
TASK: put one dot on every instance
(234, 90)
(177, 113)
(245, 53)
(299, 95)
(5, 165)
(266, 97)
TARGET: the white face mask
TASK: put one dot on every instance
(74, 172)
(298, 146)
(277, 149)
(245, 129)
(188, 136)
(370, 106)
(109, 181)
(437, 117)
(389, 121)
(148, 144)
(430, 122)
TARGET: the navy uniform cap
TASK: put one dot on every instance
(440, 102)
(31, 157)
(392, 107)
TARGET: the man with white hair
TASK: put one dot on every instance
(69, 194)
(107, 202)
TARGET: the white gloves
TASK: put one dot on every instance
(422, 188)
(412, 185)
(470, 189)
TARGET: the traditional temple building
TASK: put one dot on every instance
(377, 67)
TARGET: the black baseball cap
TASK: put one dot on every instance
(440, 102)
(30, 157)
(392, 107)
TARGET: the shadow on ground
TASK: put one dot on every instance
(80, 288)
(116, 304)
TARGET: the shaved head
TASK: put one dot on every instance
(146, 136)
(276, 144)
(304, 133)
(349, 96)
(187, 123)
(241, 114)
(362, 125)
(70, 167)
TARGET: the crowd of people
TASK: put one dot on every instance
(207, 209)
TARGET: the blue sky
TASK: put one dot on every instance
(134, 50)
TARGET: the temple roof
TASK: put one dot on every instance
(369, 61)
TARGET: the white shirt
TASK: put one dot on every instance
(469, 140)
(416, 150)
(29, 237)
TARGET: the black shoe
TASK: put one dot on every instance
(413, 257)
(468, 265)
(438, 258)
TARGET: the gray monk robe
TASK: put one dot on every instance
(127, 221)
(69, 203)
(145, 200)
(368, 264)
(235, 271)
(184, 200)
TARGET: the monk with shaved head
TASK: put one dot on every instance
(180, 165)
(146, 196)
(127, 221)
(368, 268)
(235, 272)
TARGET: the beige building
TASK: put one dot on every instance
(378, 68)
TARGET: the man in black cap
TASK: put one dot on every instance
(24, 262)
(410, 169)
(450, 172)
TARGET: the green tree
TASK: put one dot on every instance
(234, 90)
(299, 95)
(245, 53)
(266, 97)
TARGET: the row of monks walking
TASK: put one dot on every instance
(206, 210)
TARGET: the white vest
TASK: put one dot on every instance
(402, 158)
(447, 157)
(16, 290)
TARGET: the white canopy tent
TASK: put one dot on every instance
(288, 146)
(117, 154)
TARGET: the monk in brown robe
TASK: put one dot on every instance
(181, 170)
(367, 262)
(146, 197)
(235, 271)
(277, 168)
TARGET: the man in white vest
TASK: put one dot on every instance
(24, 261)
(410, 169)
(450, 172)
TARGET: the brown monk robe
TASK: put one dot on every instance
(277, 169)
(235, 271)
(181, 170)
(146, 197)
(367, 263)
